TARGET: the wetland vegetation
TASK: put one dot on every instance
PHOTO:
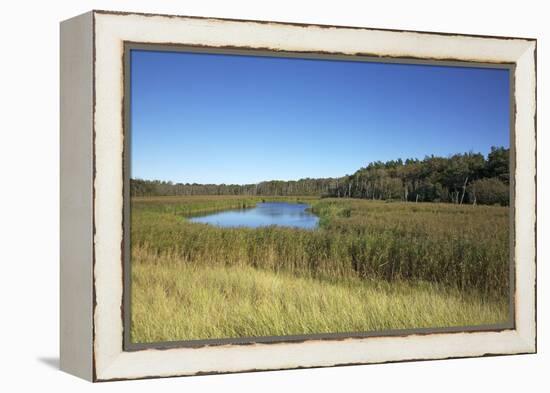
(371, 265)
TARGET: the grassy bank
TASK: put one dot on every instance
(372, 265)
(175, 300)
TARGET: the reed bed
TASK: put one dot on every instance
(370, 265)
(461, 246)
(175, 301)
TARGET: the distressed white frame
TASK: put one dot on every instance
(109, 361)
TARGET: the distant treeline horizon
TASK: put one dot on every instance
(460, 178)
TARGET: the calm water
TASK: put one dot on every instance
(264, 214)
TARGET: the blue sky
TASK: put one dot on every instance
(232, 119)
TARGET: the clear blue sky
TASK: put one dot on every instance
(241, 119)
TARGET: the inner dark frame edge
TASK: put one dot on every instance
(264, 52)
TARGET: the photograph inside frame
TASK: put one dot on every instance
(286, 196)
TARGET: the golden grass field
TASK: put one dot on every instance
(370, 266)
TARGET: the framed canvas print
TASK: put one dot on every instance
(246, 195)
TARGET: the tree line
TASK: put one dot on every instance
(302, 187)
(461, 178)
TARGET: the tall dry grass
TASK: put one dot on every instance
(370, 266)
(463, 247)
(174, 300)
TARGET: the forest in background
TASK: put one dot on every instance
(461, 178)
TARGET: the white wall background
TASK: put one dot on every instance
(29, 205)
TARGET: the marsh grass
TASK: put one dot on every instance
(178, 301)
(370, 266)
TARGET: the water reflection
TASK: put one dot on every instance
(264, 214)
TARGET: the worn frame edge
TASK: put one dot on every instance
(76, 196)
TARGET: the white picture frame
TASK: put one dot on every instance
(93, 194)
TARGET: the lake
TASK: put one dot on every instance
(264, 214)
